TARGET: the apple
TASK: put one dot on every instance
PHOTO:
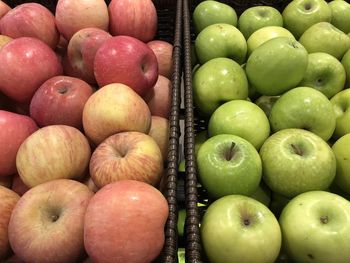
(49, 217)
(8, 201)
(18, 186)
(315, 228)
(133, 18)
(256, 17)
(341, 107)
(53, 152)
(60, 100)
(68, 68)
(164, 53)
(127, 60)
(345, 61)
(216, 82)
(81, 51)
(262, 194)
(299, 15)
(30, 20)
(276, 66)
(210, 12)
(125, 210)
(238, 228)
(87, 180)
(13, 259)
(199, 139)
(242, 118)
(4, 8)
(115, 108)
(4, 40)
(321, 37)
(25, 63)
(266, 103)
(220, 40)
(160, 132)
(71, 16)
(14, 129)
(295, 161)
(340, 15)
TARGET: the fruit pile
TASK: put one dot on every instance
(271, 88)
(85, 102)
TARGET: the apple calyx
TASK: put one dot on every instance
(231, 152)
(54, 218)
(307, 6)
(246, 221)
(324, 219)
(62, 90)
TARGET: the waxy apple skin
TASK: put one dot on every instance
(341, 152)
(340, 15)
(341, 107)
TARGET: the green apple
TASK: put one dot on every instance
(217, 81)
(240, 229)
(242, 118)
(340, 15)
(256, 17)
(264, 34)
(181, 222)
(228, 164)
(262, 194)
(304, 108)
(212, 12)
(341, 107)
(181, 255)
(221, 40)
(324, 73)
(346, 64)
(296, 161)
(342, 154)
(316, 228)
(324, 37)
(277, 65)
(266, 103)
(299, 15)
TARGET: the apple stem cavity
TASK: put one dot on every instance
(54, 218)
(231, 152)
(246, 221)
(62, 90)
(307, 6)
(297, 150)
(324, 219)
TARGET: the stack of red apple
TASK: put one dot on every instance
(273, 87)
(85, 96)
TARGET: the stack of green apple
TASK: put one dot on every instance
(272, 86)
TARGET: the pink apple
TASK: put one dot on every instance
(4, 40)
(6, 181)
(160, 133)
(60, 100)
(30, 20)
(127, 60)
(68, 69)
(53, 152)
(71, 16)
(26, 63)
(47, 223)
(159, 97)
(164, 53)
(115, 108)
(124, 222)
(18, 186)
(14, 129)
(82, 48)
(133, 18)
(4, 8)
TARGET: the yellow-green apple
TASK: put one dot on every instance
(4, 40)
(304, 108)
(125, 210)
(8, 201)
(242, 118)
(211, 12)
(47, 223)
(221, 40)
(295, 161)
(299, 15)
(342, 155)
(266, 103)
(4, 8)
(6, 181)
(256, 17)
(262, 194)
(216, 82)
(71, 16)
(14, 129)
(341, 107)
(164, 53)
(276, 66)
(237, 228)
(316, 228)
(324, 37)
(53, 152)
(345, 61)
(81, 51)
(133, 18)
(160, 132)
(127, 60)
(31, 20)
(60, 100)
(115, 108)
(340, 15)
(25, 63)
(126, 155)
(18, 186)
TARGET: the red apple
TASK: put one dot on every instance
(25, 63)
(14, 129)
(30, 20)
(115, 108)
(124, 222)
(159, 131)
(18, 186)
(4, 40)
(127, 60)
(6, 181)
(4, 8)
(81, 51)
(68, 69)
(60, 100)
(53, 152)
(71, 16)
(164, 53)
(133, 18)
(47, 223)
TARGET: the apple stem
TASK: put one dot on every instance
(297, 150)
(231, 152)
(324, 219)
(54, 218)
(246, 222)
